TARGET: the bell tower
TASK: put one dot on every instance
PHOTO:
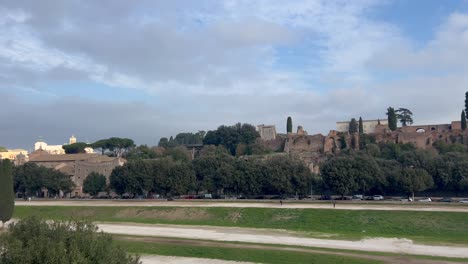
(72, 140)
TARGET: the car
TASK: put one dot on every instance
(325, 197)
(463, 201)
(425, 200)
(445, 200)
(377, 198)
(406, 199)
(358, 197)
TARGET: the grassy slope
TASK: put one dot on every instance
(237, 254)
(446, 227)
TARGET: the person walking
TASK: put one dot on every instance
(281, 202)
(334, 203)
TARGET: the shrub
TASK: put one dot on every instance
(32, 241)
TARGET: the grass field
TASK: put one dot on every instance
(237, 254)
(427, 227)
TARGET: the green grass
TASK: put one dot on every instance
(237, 254)
(426, 227)
(327, 251)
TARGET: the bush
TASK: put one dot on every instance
(33, 241)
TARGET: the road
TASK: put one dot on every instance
(264, 236)
(290, 205)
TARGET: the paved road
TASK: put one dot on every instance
(249, 235)
(339, 206)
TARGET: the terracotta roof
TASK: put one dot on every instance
(63, 157)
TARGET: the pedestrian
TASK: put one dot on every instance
(281, 202)
(334, 203)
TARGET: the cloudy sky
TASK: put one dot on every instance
(147, 69)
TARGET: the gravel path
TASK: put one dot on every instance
(394, 245)
(147, 259)
(339, 206)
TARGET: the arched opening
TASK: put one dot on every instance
(433, 128)
(420, 130)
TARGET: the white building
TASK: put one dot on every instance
(56, 149)
(368, 125)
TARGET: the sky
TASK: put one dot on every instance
(154, 68)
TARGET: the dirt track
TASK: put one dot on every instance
(183, 260)
(339, 206)
(403, 246)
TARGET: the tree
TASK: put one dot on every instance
(353, 126)
(289, 125)
(338, 176)
(231, 136)
(7, 196)
(405, 116)
(392, 118)
(3, 149)
(466, 103)
(361, 126)
(75, 148)
(94, 183)
(415, 180)
(463, 120)
(33, 241)
(118, 146)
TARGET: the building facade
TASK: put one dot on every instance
(267, 132)
(77, 166)
(368, 125)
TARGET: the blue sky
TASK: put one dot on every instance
(150, 69)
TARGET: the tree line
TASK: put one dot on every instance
(215, 171)
(397, 169)
(113, 146)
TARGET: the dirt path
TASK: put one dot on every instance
(385, 259)
(393, 245)
(339, 206)
(151, 259)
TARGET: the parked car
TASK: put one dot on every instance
(463, 201)
(425, 200)
(378, 198)
(325, 197)
(445, 200)
(406, 199)
(358, 197)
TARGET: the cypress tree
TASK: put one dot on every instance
(466, 103)
(463, 120)
(392, 118)
(7, 202)
(361, 126)
(353, 126)
(289, 125)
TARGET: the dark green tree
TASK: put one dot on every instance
(231, 136)
(415, 180)
(392, 118)
(94, 183)
(75, 148)
(353, 126)
(405, 116)
(289, 125)
(32, 241)
(338, 175)
(361, 126)
(7, 203)
(463, 120)
(466, 103)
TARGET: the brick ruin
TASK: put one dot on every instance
(314, 149)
